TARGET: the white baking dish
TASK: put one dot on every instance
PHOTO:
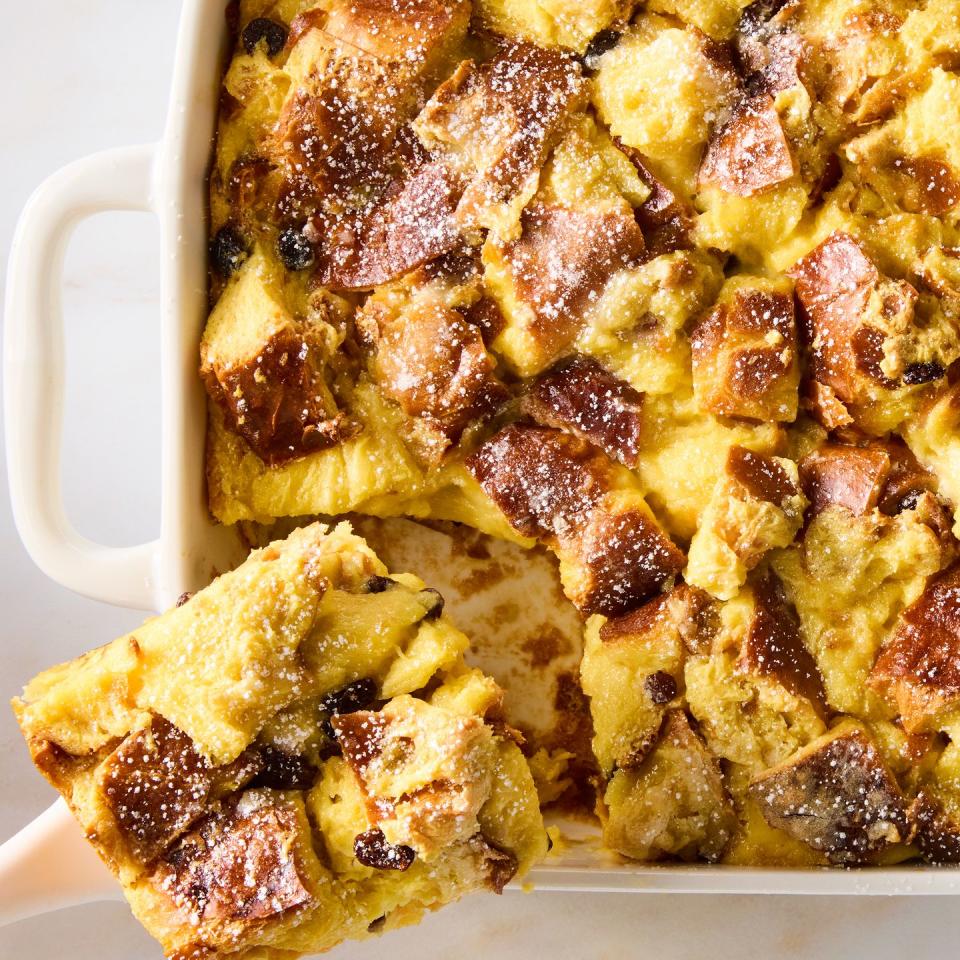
(168, 179)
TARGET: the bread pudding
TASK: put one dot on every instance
(295, 755)
(670, 289)
(665, 292)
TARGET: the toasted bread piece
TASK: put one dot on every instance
(496, 123)
(268, 370)
(579, 395)
(196, 751)
(917, 671)
(745, 361)
(836, 795)
(674, 804)
(632, 671)
(756, 506)
(756, 691)
(557, 489)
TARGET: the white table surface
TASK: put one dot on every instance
(81, 75)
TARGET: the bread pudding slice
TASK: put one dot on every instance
(295, 755)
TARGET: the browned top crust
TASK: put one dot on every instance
(692, 611)
(665, 220)
(738, 371)
(918, 671)
(844, 475)
(882, 474)
(411, 225)
(340, 127)
(238, 864)
(156, 784)
(621, 560)
(749, 153)
(278, 400)
(499, 120)
(761, 477)
(834, 283)
(773, 646)
(836, 795)
(403, 30)
(434, 363)
(544, 481)
(933, 830)
(927, 184)
(562, 260)
(581, 396)
(558, 489)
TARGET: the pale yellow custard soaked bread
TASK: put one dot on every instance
(670, 290)
(294, 756)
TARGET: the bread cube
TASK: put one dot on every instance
(674, 805)
(267, 369)
(632, 671)
(849, 579)
(427, 354)
(837, 796)
(756, 506)
(580, 396)
(917, 671)
(744, 352)
(879, 475)
(556, 488)
(496, 124)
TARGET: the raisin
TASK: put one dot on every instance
(372, 850)
(355, 696)
(264, 29)
(378, 584)
(228, 251)
(923, 372)
(602, 42)
(909, 500)
(435, 602)
(184, 598)
(284, 771)
(295, 249)
(660, 687)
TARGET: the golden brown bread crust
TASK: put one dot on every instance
(561, 261)
(433, 362)
(773, 646)
(277, 400)
(410, 225)
(760, 477)
(745, 357)
(500, 119)
(238, 864)
(919, 669)
(845, 299)
(837, 796)
(882, 474)
(749, 153)
(579, 395)
(556, 488)
(156, 785)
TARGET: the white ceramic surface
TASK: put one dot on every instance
(101, 80)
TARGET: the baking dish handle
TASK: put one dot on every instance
(49, 865)
(118, 179)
